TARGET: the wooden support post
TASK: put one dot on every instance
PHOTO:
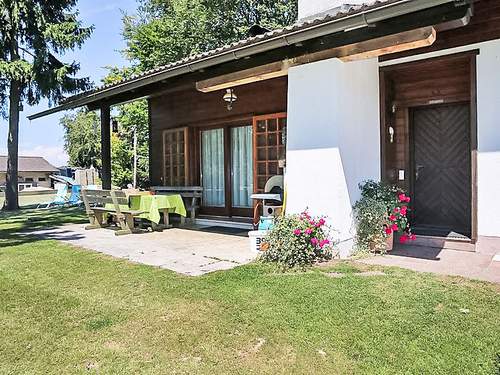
(106, 147)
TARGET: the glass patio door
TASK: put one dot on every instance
(241, 167)
(212, 168)
(227, 179)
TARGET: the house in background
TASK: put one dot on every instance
(34, 171)
(406, 91)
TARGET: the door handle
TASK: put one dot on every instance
(417, 172)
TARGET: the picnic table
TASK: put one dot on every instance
(152, 205)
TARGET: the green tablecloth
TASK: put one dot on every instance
(153, 204)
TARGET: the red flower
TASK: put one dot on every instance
(394, 227)
(407, 200)
(392, 218)
(388, 231)
(413, 237)
(323, 243)
(396, 210)
(404, 210)
(403, 238)
(402, 197)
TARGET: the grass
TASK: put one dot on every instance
(68, 310)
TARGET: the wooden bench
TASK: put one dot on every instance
(191, 196)
(95, 206)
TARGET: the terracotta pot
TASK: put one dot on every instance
(389, 242)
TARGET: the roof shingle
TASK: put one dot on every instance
(29, 164)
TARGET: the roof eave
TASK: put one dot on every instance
(350, 22)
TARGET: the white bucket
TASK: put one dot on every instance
(256, 239)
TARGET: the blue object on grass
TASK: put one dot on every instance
(266, 223)
(60, 199)
(74, 199)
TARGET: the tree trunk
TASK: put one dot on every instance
(11, 188)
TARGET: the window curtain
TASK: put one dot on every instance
(242, 166)
(213, 168)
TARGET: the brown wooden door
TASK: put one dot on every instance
(441, 156)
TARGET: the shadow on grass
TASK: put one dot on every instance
(17, 227)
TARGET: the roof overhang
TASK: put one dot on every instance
(360, 23)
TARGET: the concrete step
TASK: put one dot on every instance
(443, 243)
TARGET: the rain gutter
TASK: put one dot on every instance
(347, 23)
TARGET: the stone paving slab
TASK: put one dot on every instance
(184, 251)
(474, 265)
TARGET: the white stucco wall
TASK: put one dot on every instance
(332, 139)
(488, 123)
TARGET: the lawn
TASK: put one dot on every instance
(68, 310)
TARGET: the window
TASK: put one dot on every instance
(42, 179)
(175, 157)
(28, 179)
(269, 148)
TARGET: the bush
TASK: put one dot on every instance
(298, 241)
(381, 211)
(370, 216)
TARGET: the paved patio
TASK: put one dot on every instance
(479, 265)
(185, 251)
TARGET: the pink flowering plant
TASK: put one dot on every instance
(381, 212)
(298, 241)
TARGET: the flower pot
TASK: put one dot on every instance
(389, 242)
(380, 247)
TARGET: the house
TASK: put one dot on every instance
(34, 171)
(406, 91)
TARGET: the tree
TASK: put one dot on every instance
(82, 133)
(32, 33)
(165, 31)
(130, 117)
(162, 32)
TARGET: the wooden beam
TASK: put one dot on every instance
(404, 41)
(243, 77)
(372, 48)
(106, 147)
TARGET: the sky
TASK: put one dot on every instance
(45, 136)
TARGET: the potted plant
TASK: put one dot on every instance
(381, 212)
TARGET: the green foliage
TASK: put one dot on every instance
(163, 32)
(370, 216)
(82, 132)
(82, 142)
(297, 241)
(381, 211)
(32, 32)
(130, 116)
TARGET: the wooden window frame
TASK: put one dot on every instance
(185, 129)
(274, 116)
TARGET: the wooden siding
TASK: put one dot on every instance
(196, 110)
(404, 87)
(432, 81)
(484, 26)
